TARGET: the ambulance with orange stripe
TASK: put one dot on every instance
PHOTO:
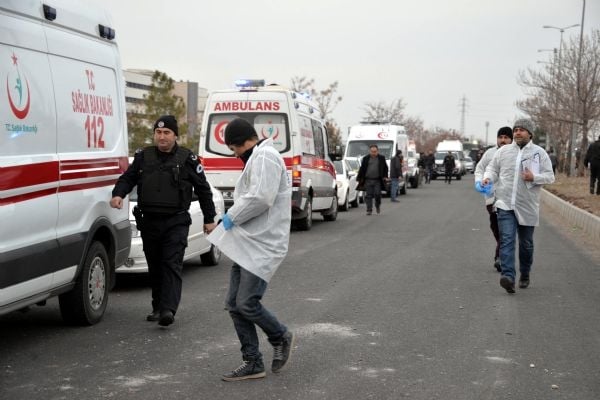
(64, 144)
(292, 121)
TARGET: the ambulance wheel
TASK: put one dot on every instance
(403, 189)
(86, 302)
(354, 203)
(331, 214)
(212, 257)
(304, 224)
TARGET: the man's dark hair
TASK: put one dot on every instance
(373, 145)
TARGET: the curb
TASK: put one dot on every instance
(587, 222)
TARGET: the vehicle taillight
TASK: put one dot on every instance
(296, 171)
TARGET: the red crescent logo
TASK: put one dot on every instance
(220, 132)
(382, 135)
(19, 113)
(266, 135)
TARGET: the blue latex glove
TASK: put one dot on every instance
(486, 190)
(227, 222)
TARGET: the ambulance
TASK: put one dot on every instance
(64, 144)
(387, 137)
(292, 120)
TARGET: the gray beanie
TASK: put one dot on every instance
(526, 124)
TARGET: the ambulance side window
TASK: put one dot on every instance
(318, 133)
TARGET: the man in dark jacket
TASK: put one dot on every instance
(165, 175)
(372, 175)
(395, 174)
(592, 159)
(429, 162)
(449, 165)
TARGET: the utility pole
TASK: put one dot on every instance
(487, 127)
(463, 111)
(577, 100)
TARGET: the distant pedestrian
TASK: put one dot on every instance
(504, 136)
(395, 174)
(449, 165)
(429, 165)
(592, 159)
(518, 171)
(553, 160)
(373, 174)
(255, 234)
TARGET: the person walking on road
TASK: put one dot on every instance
(373, 174)
(553, 160)
(518, 171)
(449, 165)
(165, 175)
(592, 159)
(395, 174)
(255, 234)
(429, 165)
(504, 136)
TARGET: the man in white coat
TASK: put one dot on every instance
(255, 234)
(518, 171)
(504, 136)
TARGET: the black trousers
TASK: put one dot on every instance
(165, 240)
(595, 178)
(448, 176)
(494, 228)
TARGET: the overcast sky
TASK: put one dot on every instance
(429, 53)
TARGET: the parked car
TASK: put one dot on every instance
(414, 173)
(469, 165)
(198, 246)
(346, 185)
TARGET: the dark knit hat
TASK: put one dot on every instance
(505, 131)
(167, 121)
(238, 131)
(526, 124)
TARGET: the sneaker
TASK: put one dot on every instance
(153, 316)
(166, 318)
(524, 282)
(377, 210)
(248, 370)
(497, 265)
(282, 352)
(508, 284)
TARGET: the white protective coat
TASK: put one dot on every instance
(480, 169)
(512, 192)
(261, 214)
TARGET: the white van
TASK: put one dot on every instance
(64, 144)
(387, 137)
(441, 150)
(292, 121)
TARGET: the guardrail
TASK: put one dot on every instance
(586, 221)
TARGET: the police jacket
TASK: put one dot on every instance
(593, 154)
(449, 162)
(165, 181)
(383, 168)
(512, 192)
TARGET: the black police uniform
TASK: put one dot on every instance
(164, 185)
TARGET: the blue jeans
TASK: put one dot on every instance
(509, 227)
(394, 189)
(373, 189)
(243, 303)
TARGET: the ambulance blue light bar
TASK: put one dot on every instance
(249, 83)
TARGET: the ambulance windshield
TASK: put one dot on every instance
(360, 148)
(274, 126)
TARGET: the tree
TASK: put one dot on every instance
(326, 99)
(382, 112)
(566, 92)
(159, 101)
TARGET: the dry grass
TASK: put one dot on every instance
(576, 190)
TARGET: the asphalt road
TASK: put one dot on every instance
(405, 304)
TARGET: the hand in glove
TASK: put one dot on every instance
(486, 190)
(227, 222)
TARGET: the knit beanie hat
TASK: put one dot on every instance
(238, 131)
(526, 124)
(167, 121)
(505, 131)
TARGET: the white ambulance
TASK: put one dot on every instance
(387, 137)
(64, 144)
(292, 121)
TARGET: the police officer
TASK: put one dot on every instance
(165, 175)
